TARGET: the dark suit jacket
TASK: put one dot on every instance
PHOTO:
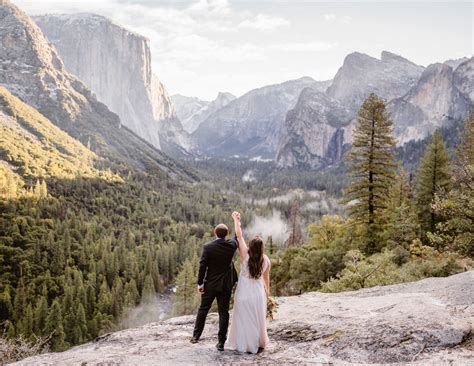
(216, 269)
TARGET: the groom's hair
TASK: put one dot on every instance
(221, 231)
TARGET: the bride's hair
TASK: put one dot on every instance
(256, 257)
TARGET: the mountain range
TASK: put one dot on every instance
(251, 124)
(318, 129)
(94, 79)
(305, 123)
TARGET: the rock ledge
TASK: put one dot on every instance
(424, 322)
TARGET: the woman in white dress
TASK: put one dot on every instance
(248, 330)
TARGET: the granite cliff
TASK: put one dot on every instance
(116, 65)
(32, 70)
(435, 100)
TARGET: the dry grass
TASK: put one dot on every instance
(16, 349)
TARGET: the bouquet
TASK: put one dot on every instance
(272, 306)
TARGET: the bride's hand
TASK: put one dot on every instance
(236, 215)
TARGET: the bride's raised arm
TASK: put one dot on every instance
(243, 250)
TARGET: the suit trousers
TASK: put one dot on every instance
(223, 301)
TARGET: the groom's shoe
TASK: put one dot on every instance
(220, 346)
(194, 340)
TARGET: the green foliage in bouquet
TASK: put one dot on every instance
(272, 307)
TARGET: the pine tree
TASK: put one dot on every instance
(270, 244)
(43, 189)
(131, 294)
(80, 324)
(117, 297)
(6, 307)
(433, 177)
(148, 291)
(296, 236)
(54, 327)
(402, 220)
(9, 329)
(20, 302)
(186, 298)
(457, 206)
(372, 170)
(41, 314)
(104, 302)
(26, 324)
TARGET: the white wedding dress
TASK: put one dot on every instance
(248, 330)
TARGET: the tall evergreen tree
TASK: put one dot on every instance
(54, 327)
(117, 297)
(296, 235)
(131, 294)
(457, 206)
(402, 220)
(372, 170)
(80, 324)
(148, 291)
(41, 314)
(6, 307)
(433, 177)
(186, 298)
(104, 302)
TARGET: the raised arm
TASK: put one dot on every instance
(243, 250)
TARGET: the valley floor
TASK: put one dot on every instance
(421, 323)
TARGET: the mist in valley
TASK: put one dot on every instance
(153, 309)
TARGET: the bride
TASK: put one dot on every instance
(248, 331)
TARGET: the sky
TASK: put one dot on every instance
(201, 47)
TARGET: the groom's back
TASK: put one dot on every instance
(219, 254)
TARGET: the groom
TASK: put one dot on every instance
(217, 277)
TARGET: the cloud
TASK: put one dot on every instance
(273, 226)
(330, 17)
(346, 19)
(303, 47)
(206, 7)
(198, 43)
(249, 176)
(264, 22)
(193, 48)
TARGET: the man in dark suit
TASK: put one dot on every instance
(217, 277)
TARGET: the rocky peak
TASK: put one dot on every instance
(390, 77)
(223, 98)
(193, 111)
(436, 77)
(432, 102)
(464, 78)
(422, 323)
(454, 63)
(116, 64)
(315, 133)
(387, 56)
